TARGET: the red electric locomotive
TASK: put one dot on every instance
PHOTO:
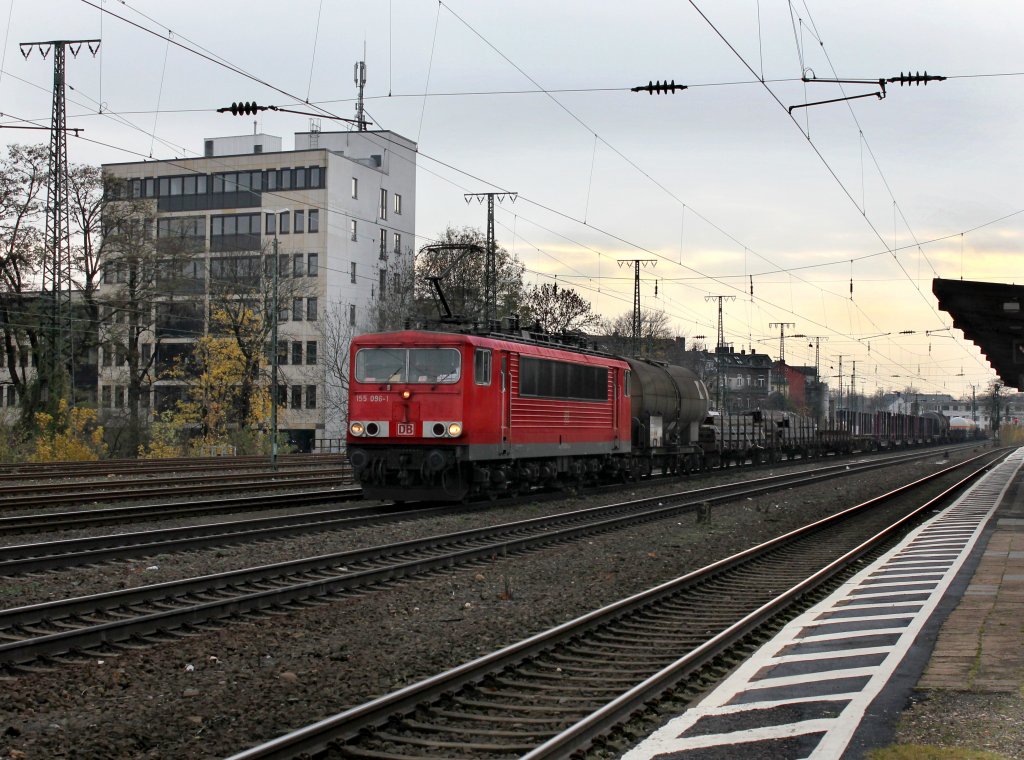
(440, 415)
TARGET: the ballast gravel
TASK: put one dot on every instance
(219, 691)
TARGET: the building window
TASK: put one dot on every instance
(300, 180)
(282, 352)
(314, 220)
(314, 179)
(355, 187)
(310, 352)
(398, 242)
(297, 309)
(284, 223)
(300, 221)
(383, 280)
(383, 244)
(119, 396)
(208, 148)
(298, 265)
(353, 227)
(353, 271)
(282, 395)
(311, 307)
(352, 314)
(297, 352)
(383, 211)
(231, 232)
(12, 396)
(271, 224)
(311, 397)
(312, 265)
(296, 397)
(105, 396)
(398, 204)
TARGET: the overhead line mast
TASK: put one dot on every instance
(57, 265)
(637, 264)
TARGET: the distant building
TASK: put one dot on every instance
(743, 379)
(342, 207)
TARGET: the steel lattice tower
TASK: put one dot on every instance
(490, 263)
(57, 265)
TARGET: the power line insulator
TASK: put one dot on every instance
(659, 87)
(244, 108)
(917, 78)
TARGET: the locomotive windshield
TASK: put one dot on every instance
(408, 365)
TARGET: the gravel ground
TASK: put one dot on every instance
(215, 693)
(955, 721)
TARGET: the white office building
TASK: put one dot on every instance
(342, 208)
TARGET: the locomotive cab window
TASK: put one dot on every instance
(408, 365)
(626, 383)
(482, 366)
(544, 378)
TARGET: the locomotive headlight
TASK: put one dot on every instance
(407, 394)
(356, 428)
(455, 430)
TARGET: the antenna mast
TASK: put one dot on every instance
(360, 80)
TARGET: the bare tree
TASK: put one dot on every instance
(337, 329)
(153, 282)
(559, 310)
(85, 200)
(654, 331)
(22, 199)
(464, 284)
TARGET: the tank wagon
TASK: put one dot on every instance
(449, 415)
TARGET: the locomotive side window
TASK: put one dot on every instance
(552, 379)
(626, 384)
(412, 365)
(482, 366)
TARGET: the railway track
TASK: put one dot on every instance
(93, 625)
(141, 467)
(39, 556)
(62, 494)
(553, 694)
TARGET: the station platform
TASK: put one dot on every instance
(943, 610)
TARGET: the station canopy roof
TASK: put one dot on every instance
(990, 314)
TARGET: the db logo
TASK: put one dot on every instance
(406, 428)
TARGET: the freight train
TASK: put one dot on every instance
(451, 415)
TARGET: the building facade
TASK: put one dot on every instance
(340, 212)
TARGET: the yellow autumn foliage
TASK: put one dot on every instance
(210, 411)
(70, 435)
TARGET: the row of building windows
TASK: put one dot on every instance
(221, 267)
(396, 238)
(293, 399)
(382, 209)
(25, 357)
(116, 396)
(295, 354)
(297, 178)
(286, 225)
(382, 273)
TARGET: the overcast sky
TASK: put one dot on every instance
(717, 183)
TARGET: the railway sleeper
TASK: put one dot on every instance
(447, 728)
